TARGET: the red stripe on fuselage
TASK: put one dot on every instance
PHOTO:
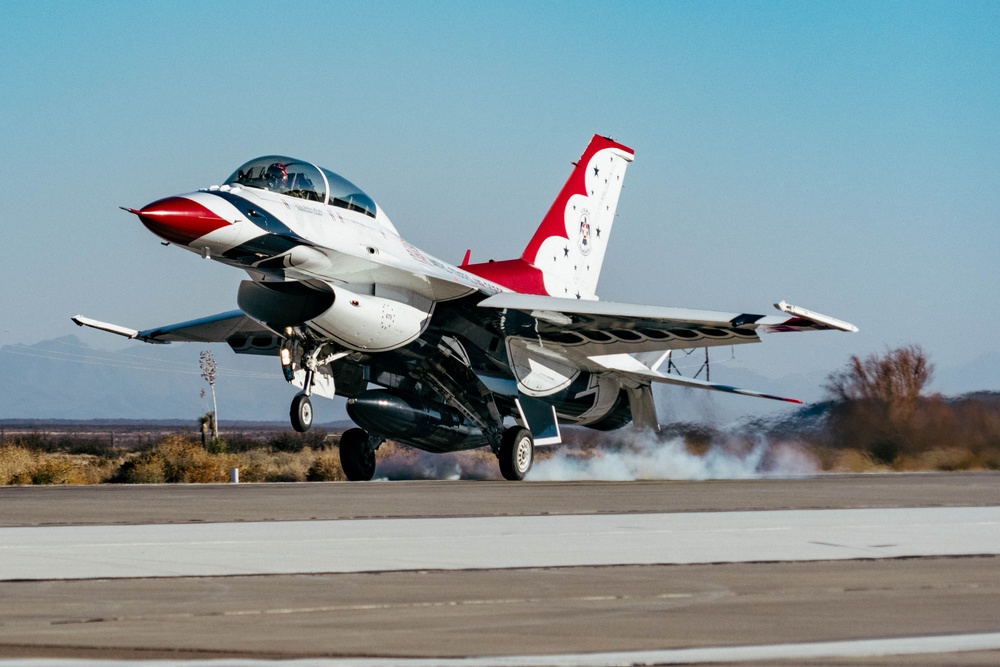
(179, 220)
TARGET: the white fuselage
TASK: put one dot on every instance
(340, 246)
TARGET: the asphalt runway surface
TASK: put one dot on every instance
(846, 570)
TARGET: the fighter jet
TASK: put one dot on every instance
(440, 357)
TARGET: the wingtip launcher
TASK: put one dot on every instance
(82, 321)
(818, 318)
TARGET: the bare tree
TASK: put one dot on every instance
(878, 406)
(208, 373)
(896, 378)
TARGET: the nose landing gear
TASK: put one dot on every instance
(302, 366)
(301, 413)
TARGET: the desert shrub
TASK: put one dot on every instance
(51, 470)
(325, 468)
(944, 458)
(95, 469)
(241, 442)
(217, 446)
(289, 466)
(176, 460)
(20, 465)
(290, 441)
(146, 469)
(16, 464)
(68, 444)
(853, 460)
(884, 451)
(253, 465)
(263, 466)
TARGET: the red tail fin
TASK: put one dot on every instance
(565, 255)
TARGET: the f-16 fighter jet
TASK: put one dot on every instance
(432, 355)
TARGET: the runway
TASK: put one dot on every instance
(387, 545)
(879, 569)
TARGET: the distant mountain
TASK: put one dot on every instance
(66, 379)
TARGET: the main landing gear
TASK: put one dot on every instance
(516, 452)
(357, 454)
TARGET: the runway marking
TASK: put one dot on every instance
(856, 648)
(283, 611)
(372, 545)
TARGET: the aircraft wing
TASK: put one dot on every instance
(221, 328)
(591, 328)
(549, 337)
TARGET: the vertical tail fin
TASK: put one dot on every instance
(568, 247)
(565, 255)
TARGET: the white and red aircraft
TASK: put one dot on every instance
(495, 354)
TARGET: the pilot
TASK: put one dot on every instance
(276, 177)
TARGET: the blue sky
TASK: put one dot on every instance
(841, 156)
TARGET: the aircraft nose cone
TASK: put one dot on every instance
(179, 220)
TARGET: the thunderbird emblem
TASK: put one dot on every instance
(584, 241)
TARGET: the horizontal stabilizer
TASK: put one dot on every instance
(628, 365)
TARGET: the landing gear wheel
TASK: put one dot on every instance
(517, 450)
(357, 458)
(301, 413)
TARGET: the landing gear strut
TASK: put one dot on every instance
(301, 413)
(316, 377)
(357, 455)
(516, 452)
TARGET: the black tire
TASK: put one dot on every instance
(517, 451)
(301, 413)
(356, 457)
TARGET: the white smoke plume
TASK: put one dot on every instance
(643, 455)
(398, 462)
(622, 456)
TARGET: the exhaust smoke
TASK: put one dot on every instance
(638, 455)
(398, 462)
(625, 455)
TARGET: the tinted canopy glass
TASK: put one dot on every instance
(347, 195)
(283, 175)
(295, 178)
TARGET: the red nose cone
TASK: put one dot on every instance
(179, 220)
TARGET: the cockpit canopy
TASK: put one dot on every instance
(295, 178)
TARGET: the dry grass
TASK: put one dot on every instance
(20, 465)
(176, 459)
(946, 459)
(263, 466)
(325, 468)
